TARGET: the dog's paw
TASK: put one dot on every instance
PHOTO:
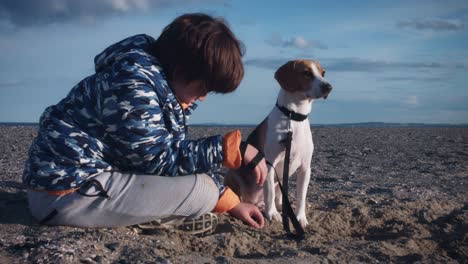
(302, 220)
(273, 215)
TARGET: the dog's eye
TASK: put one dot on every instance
(309, 74)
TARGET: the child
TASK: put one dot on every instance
(114, 151)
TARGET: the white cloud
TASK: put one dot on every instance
(128, 5)
(412, 100)
(432, 24)
(298, 42)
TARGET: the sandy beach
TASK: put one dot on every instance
(395, 195)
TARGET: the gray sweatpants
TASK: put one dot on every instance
(132, 199)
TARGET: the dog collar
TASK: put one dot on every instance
(291, 114)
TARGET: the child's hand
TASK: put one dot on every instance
(260, 171)
(248, 213)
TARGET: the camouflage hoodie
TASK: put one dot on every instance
(124, 118)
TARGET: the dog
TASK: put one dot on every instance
(301, 82)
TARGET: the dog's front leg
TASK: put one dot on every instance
(303, 179)
(278, 193)
(269, 193)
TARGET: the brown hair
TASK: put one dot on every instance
(201, 47)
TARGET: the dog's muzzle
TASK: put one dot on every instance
(326, 89)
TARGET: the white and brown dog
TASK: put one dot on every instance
(301, 81)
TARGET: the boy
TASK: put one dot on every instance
(114, 151)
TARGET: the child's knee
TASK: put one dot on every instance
(210, 190)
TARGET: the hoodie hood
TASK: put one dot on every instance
(142, 44)
(111, 54)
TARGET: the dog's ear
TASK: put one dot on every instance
(286, 76)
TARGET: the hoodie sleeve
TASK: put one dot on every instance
(136, 127)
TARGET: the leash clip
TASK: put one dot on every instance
(289, 122)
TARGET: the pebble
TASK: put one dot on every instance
(163, 260)
(112, 246)
(366, 151)
(99, 259)
(87, 260)
(222, 260)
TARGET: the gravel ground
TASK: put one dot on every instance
(376, 195)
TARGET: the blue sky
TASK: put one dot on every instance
(390, 61)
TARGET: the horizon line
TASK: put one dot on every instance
(351, 124)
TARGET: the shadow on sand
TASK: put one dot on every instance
(14, 205)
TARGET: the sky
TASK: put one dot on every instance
(388, 61)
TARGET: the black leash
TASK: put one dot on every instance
(288, 212)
